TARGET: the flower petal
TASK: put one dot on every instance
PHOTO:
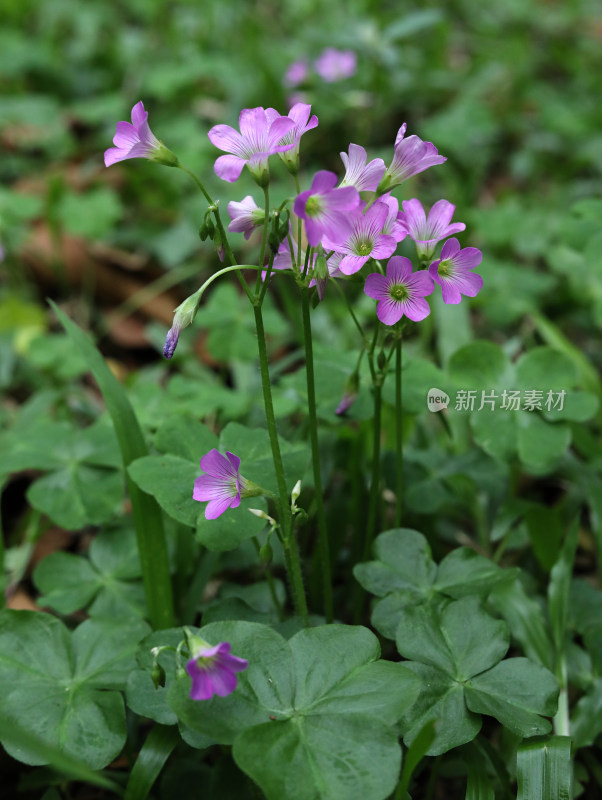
(376, 285)
(416, 308)
(226, 138)
(228, 168)
(389, 311)
(399, 269)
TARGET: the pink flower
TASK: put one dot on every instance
(299, 114)
(358, 173)
(325, 209)
(335, 65)
(213, 669)
(295, 73)
(427, 231)
(246, 216)
(366, 239)
(411, 156)
(401, 292)
(133, 140)
(258, 139)
(222, 484)
(453, 271)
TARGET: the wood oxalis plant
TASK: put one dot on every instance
(307, 704)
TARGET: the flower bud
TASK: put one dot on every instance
(266, 554)
(350, 393)
(381, 360)
(158, 675)
(183, 317)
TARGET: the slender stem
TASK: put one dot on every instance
(271, 585)
(562, 720)
(375, 484)
(351, 311)
(220, 227)
(323, 543)
(299, 226)
(398, 435)
(291, 551)
(266, 280)
(264, 237)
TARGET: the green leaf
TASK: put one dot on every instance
(78, 496)
(516, 692)
(545, 532)
(544, 368)
(478, 365)
(560, 585)
(441, 699)
(461, 640)
(463, 572)
(586, 717)
(148, 522)
(402, 575)
(69, 582)
(328, 757)
(526, 621)
(322, 701)
(65, 687)
(540, 445)
(544, 769)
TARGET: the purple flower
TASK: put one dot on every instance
(411, 156)
(366, 239)
(452, 271)
(392, 226)
(400, 292)
(299, 114)
(325, 209)
(335, 65)
(358, 173)
(133, 140)
(426, 232)
(213, 669)
(258, 139)
(221, 485)
(246, 216)
(295, 73)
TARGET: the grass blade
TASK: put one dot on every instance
(157, 748)
(544, 769)
(148, 520)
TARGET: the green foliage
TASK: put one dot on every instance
(65, 686)
(322, 701)
(405, 576)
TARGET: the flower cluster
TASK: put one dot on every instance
(347, 224)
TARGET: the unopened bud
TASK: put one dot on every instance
(158, 675)
(296, 493)
(183, 317)
(266, 554)
(381, 360)
(301, 516)
(350, 393)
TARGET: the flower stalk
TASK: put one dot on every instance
(323, 542)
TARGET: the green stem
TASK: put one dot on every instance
(264, 238)
(375, 484)
(271, 585)
(398, 435)
(562, 720)
(291, 551)
(299, 226)
(220, 227)
(323, 543)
